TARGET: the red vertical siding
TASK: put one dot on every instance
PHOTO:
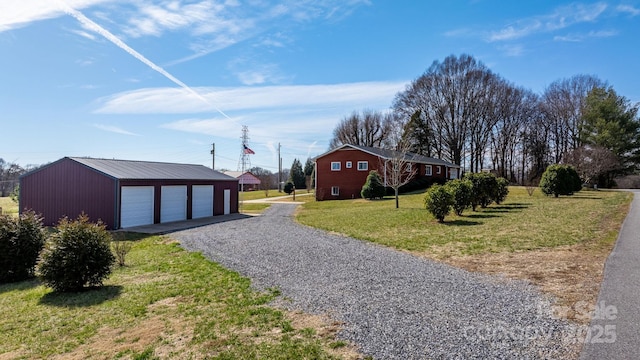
(67, 188)
(218, 196)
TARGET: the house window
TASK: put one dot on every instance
(335, 166)
(335, 190)
(428, 172)
(408, 167)
(438, 169)
(363, 165)
(348, 164)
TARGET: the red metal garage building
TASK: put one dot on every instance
(125, 193)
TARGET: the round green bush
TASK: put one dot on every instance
(21, 240)
(288, 187)
(78, 254)
(501, 191)
(461, 191)
(560, 180)
(373, 188)
(438, 201)
(484, 189)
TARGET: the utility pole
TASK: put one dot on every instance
(213, 156)
(279, 169)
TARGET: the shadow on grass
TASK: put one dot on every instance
(505, 208)
(123, 235)
(517, 205)
(461, 223)
(481, 216)
(89, 297)
(19, 286)
(575, 196)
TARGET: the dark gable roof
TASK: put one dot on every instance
(389, 154)
(146, 170)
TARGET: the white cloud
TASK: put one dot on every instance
(15, 14)
(179, 101)
(203, 17)
(114, 129)
(513, 50)
(628, 9)
(252, 73)
(561, 18)
(205, 126)
(578, 37)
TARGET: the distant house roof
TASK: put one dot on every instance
(246, 178)
(139, 170)
(390, 154)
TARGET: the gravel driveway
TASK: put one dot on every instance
(394, 305)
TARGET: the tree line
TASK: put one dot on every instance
(10, 176)
(460, 111)
(298, 176)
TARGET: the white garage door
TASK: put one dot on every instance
(136, 206)
(202, 201)
(173, 203)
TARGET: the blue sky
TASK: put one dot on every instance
(163, 80)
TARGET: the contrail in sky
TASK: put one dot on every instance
(119, 43)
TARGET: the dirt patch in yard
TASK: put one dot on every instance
(325, 328)
(109, 342)
(572, 274)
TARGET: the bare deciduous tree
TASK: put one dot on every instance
(266, 177)
(369, 128)
(516, 109)
(454, 100)
(562, 105)
(591, 162)
(399, 166)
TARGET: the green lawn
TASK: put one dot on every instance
(167, 303)
(259, 194)
(253, 208)
(522, 222)
(8, 206)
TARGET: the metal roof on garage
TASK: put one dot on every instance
(147, 170)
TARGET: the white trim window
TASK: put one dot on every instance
(409, 167)
(335, 166)
(438, 169)
(335, 190)
(348, 165)
(428, 171)
(363, 165)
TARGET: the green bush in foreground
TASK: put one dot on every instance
(501, 191)
(288, 188)
(560, 180)
(487, 188)
(461, 191)
(21, 240)
(78, 254)
(438, 201)
(373, 188)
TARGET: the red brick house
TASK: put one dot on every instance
(341, 172)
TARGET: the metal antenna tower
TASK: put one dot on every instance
(245, 162)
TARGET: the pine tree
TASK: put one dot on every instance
(373, 188)
(296, 176)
